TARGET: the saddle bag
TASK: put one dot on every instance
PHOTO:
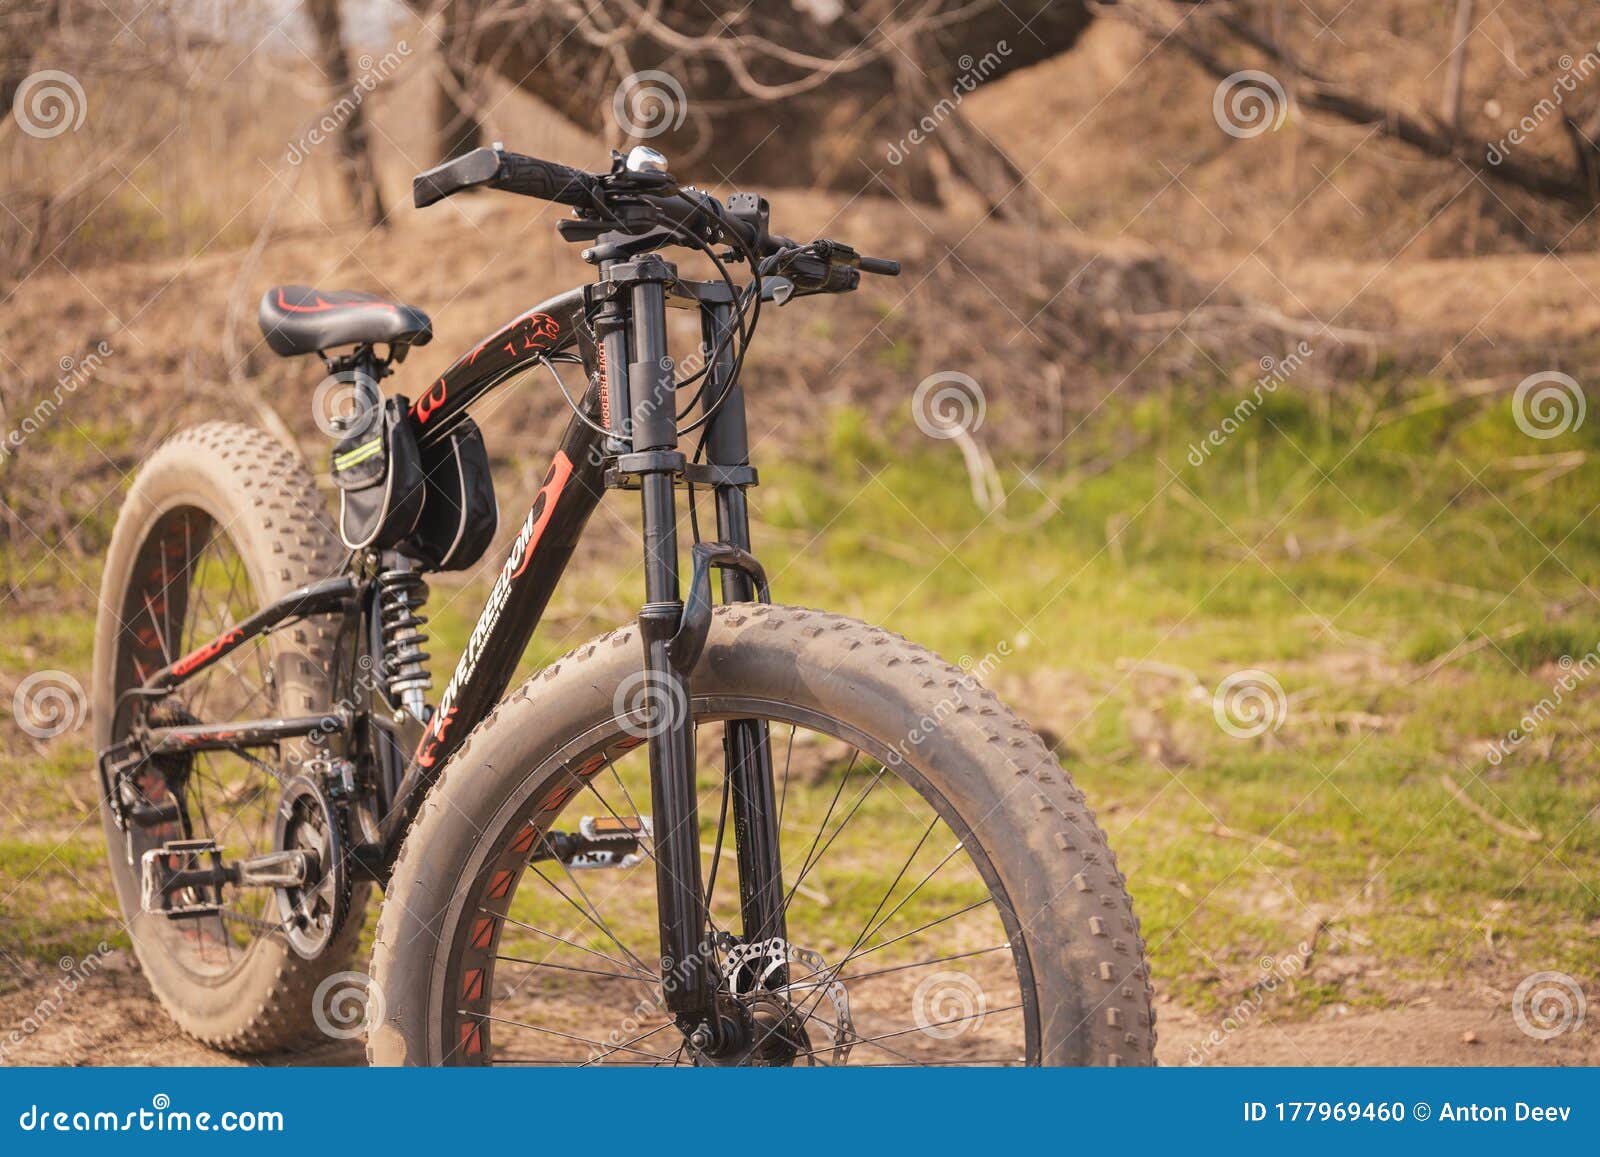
(435, 504)
(459, 512)
(378, 470)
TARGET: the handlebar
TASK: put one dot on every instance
(511, 172)
(599, 197)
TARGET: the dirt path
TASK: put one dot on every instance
(114, 1020)
(1453, 1028)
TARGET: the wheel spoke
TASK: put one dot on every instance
(892, 867)
(556, 1033)
(628, 976)
(580, 947)
(593, 917)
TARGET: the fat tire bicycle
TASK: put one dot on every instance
(910, 877)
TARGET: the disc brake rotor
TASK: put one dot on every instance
(750, 969)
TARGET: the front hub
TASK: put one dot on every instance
(775, 997)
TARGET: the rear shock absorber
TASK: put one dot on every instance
(401, 592)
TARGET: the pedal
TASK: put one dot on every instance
(600, 842)
(172, 876)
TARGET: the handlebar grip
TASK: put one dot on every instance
(545, 179)
(467, 171)
(501, 170)
(881, 266)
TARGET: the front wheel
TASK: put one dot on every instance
(949, 897)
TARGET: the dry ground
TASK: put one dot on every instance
(114, 1020)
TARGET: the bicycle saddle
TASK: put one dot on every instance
(297, 319)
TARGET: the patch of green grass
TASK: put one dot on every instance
(1407, 570)
(1344, 558)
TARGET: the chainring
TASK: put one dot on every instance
(313, 911)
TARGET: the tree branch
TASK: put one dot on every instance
(1325, 95)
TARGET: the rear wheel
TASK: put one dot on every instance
(949, 897)
(220, 520)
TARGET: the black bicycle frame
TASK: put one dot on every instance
(625, 436)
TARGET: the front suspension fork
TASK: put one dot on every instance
(688, 959)
(746, 744)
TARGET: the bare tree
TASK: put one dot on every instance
(1225, 38)
(23, 25)
(820, 92)
(354, 140)
(456, 124)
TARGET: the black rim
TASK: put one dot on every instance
(885, 900)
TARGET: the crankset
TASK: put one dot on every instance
(308, 872)
(314, 907)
